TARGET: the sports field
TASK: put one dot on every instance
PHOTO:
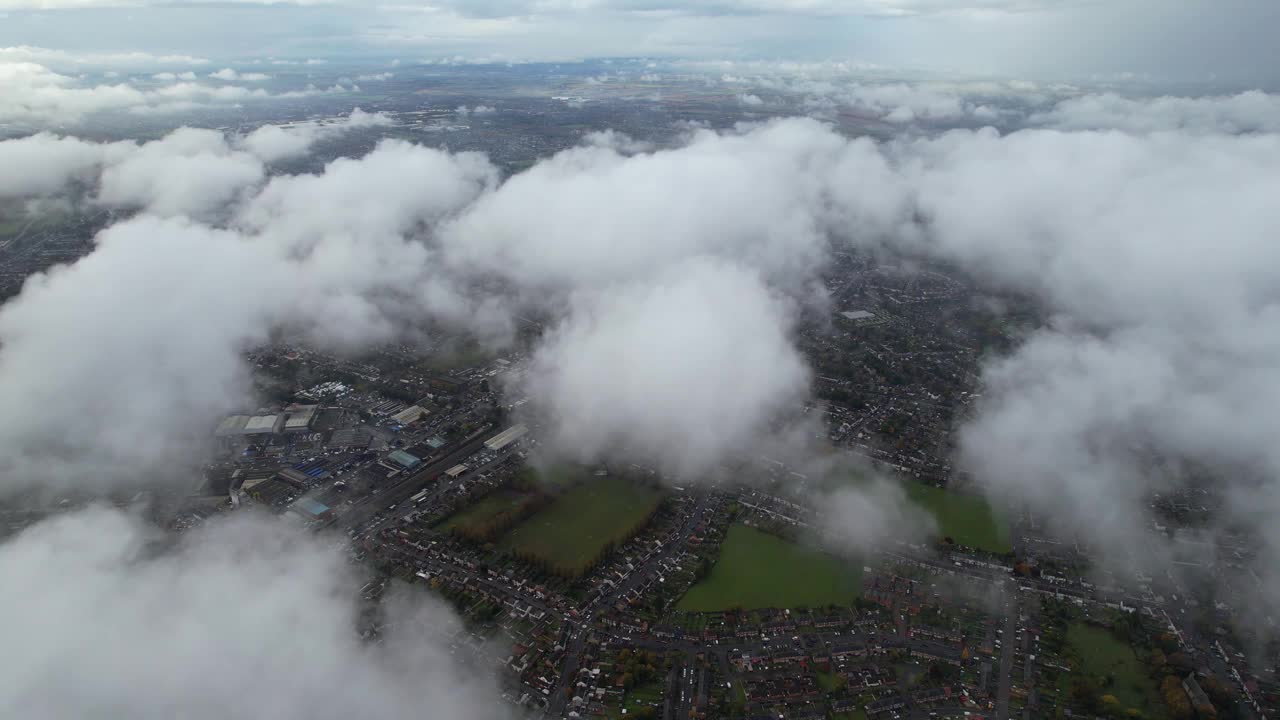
(570, 532)
(488, 508)
(759, 570)
(967, 519)
(1100, 653)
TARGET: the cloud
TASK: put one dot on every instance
(45, 164)
(867, 515)
(595, 215)
(463, 111)
(272, 143)
(170, 77)
(37, 95)
(682, 371)
(672, 309)
(64, 58)
(188, 172)
(672, 279)
(517, 8)
(243, 617)
(230, 75)
(1247, 112)
(1151, 254)
(343, 277)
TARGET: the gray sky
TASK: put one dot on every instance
(1225, 42)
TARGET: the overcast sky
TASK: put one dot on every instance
(1225, 42)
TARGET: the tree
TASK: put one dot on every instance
(1175, 698)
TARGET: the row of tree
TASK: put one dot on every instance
(486, 530)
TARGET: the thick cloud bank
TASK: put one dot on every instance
(1247, 112)
(682, 372)
(244, 618)
(36, 94)
(190, 171)
(167, 306)
(673, 278)
(371, 247)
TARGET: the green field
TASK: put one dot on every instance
(491, 506)
(1100, 653)
(759, 570)
(570, 532)
(645, 696)
(967, 519)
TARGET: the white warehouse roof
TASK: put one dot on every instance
(506, 437)
(260, 424)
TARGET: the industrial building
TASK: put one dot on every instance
(300, 418)
(506, 437)
(857, 315)
(400, 460)
(263, 425)
(312, 510)
(455, 471)
(231, 427)
(409, 415)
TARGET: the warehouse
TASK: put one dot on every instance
(264, 425)
(403, 459)
(231, 427)
(409, 415)
(312, 510)
(506, 437)
(300, 418)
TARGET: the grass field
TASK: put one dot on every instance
(967, 519)
(1099, 652)
(491, 506)
(648, 695)
(570, 532)
(759, 570)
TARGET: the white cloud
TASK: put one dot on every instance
(242, 618)
(35, 94)
(340, 271)
(188, 172)
(681, 370)
(1153, 249)
(272, 143)
(231, 75)
(463, 111)
(1246, 112)
(68, 59)
(170, 77)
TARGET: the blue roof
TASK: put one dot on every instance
(403, 458)
(313, 507)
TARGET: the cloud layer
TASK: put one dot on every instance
(672, 279)
(36, 95)
(245, 617)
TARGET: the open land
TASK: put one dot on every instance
(1100, 653)
(495, 504)
(759, 570)
(967, 519)
(572, 530)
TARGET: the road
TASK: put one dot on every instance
(1006, 651)
(411, 484)
(577, 637)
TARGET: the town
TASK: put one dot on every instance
(612, 591)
